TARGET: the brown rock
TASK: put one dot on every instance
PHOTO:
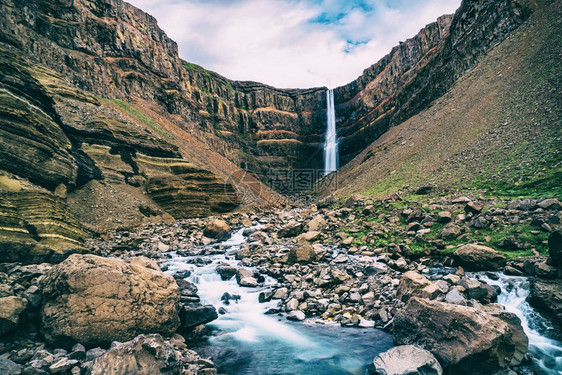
(302, 253)
(464, 340)
(10, 311)
(95, 300)
(412, 284)
(479, 258)
(217, 229)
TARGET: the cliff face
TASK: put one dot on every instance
(100, 115)
(420, 70)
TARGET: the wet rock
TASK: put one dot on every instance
(10, 311)
(555, 247)
(217, 229)
(546, 296)
(296, 315)
(8, 367)
(226, 271)
(194, 316)
(479, 258)
(465, 340)
(406, 360)
(95, 300)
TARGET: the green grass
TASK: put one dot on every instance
(139, 116)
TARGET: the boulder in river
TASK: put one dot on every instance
(194, 316)
(479, 258)
(555, 247)
(95, 300)
(546, 296)
(217, 229)
(465, 340)
(407, 360)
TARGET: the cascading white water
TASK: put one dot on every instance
(331, 143)
(546, 352)
(251, 342)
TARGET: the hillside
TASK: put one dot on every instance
(498, 129)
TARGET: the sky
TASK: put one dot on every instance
(291, 43)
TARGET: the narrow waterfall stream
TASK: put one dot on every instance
(545, 352)
(331, 143)
(247, 341)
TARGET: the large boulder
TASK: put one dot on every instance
(479, 258)
(217, 229)
(406, 360)
(95, 300)
(10, 311)
(555, 247)
(147, 355)
(464, 340)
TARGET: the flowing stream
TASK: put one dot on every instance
(245, 340)
(331, 143)
(545, 352)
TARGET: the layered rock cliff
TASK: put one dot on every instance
(101, 116)
(420, 70)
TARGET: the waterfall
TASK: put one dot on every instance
(331, 143)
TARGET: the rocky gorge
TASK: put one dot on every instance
(324, 268)
(143, 229)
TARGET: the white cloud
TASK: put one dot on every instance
(283, 43)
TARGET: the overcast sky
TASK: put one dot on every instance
(291, 43)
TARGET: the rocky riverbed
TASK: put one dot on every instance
(397, 265)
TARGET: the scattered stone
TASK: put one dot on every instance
(147, 355)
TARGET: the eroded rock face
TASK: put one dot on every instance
(95, 300)
(406, 360)
(479, 258)
(555, 247)
(464, 340)
(546, 296)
